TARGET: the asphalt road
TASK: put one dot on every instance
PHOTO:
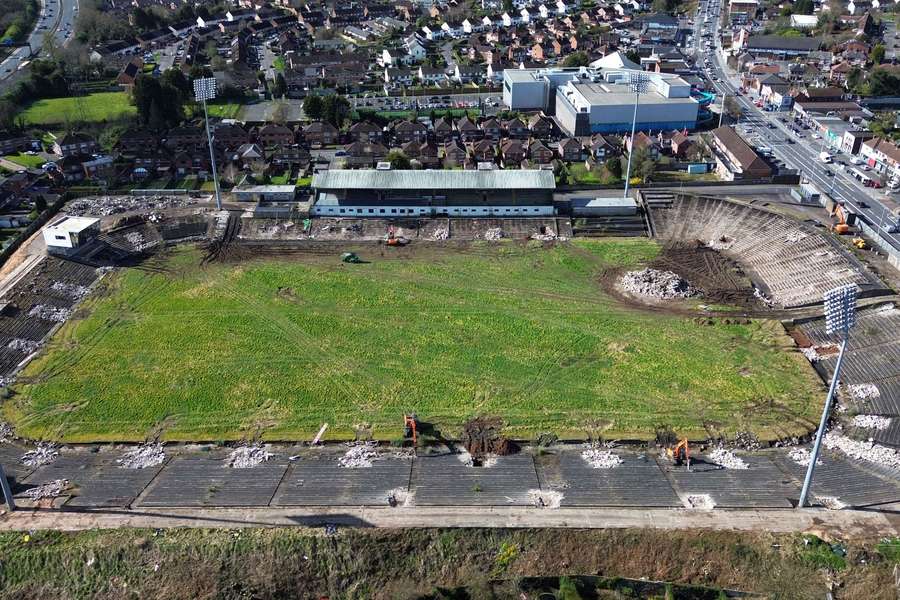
(56, 18)
(803, 154)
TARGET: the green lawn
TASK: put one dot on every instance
(26, 160)
(520, 331)
(282, 179)
(580, 174)
(93, 108)
(222, 110)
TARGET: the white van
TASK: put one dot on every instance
(855, 160)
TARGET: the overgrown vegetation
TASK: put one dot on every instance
(516, 330)
(417, 563)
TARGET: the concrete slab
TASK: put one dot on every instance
(849, 481)
(445, 481)
(322, 482)
(762, 485)
(206, 481)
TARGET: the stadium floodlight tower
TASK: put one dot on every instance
(840, 317)
(637, 80)
(205, 89)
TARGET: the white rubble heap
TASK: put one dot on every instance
(247, 457)
(25, 346)
(727, 459)
(701, 502)
(49, 313)
(359, 455)
(871, 422)
(817, 353)
(546, 498)
(103, 206)
(548, 236)
(759, 295)
(136, 239)
(868, 451)
(141, 457)
(802, 456)
(599, 458)
(465, 458)
(76, 292)
(657, 284)
(43, 454)
(6, 432)
(440, 234)
(402, 496)
(863, 391)
(794, 237)
(48, 490)
(720, 243)
(831, 502)
(494, 234)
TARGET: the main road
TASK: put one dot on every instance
(800, 153)
(56, 18)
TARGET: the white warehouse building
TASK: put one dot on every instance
(599, 99)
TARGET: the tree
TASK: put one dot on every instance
(398, 159)
(732, 108)
(312, 106)
(648, 168)
(40, 203)
(614, 166)
(633, 56)
(877, 54)
(577, 59)
(335, 109)
(280, 113)
(803, 7)
(278, 87)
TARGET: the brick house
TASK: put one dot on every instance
(570, 150)
(273, 134)
(539, 153)
(319, 133)
(512, 152)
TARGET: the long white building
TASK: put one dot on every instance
(599, 98)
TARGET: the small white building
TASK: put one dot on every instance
(67, 234)
(265, 193)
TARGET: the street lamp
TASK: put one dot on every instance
(637, 80)
(205, 89)
(840, 317)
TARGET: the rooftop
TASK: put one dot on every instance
(450, 180)
(74, 224)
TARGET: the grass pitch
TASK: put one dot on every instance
(93, 108)
(281, 346)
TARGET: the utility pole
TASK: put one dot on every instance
(7, 492)
(638, 82)
(722, 112)
(840, 317)
(205, 89)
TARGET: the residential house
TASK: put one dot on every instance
(431, 75)
(453, 154)
(182, 139)
(483, 151)
(364, 131)
(137, 141)
(570, 150)
(365, 154)
(320, 133)
(539, 153)
(398, 77)
(681, 144)
(468, 131)
(600, 149)
(516, 128)
(75, 143)
(247, 154)
(642, 141)
(735, 158)
(491, 129)
(541, 127)
(289, 156)
(466, 73)
(129, 72)
(10, 143)
(512, 152)
(229, 135)
(406, 131)
(443, 129)
(273, 134)
(883, 156)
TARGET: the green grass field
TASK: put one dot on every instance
(520, 331)
(26, 160)
(93, 108)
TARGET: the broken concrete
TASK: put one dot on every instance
(43, 454)
(599, 458)
(663, 285)
(52, 489)
(871, 422)
(49, 313)
(726, 458)
(868, 451)
(247, 457)
(802, 456)
(546, 498)
(75, 292)
(700, 502)
(494, 234)
(864, 391)
(23, 346)
(142, 457)
(360, 455)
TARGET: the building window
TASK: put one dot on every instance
(381, 210)
(394, 211)
(342, 211)
(371, 211)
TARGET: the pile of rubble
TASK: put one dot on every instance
(24, 346)
(723, 242)
(794, 237)
(817, 353)
(863, 391)
(871, 422)
(6, 432)
(440, 234)
(136, 239)
(547, 236)
(142, 457)
(726, 458)
(831, 502)
(400, 497)
(747, 440)
(47, 490)
(43, 454)
(545, 498)
(802, 456)
(103, 206)
(359, 456)
(247, 457)
(486, 460)
(494, 234)
(49, 313)
(73, 291)
(759, 295)
(868, 451)
(700, 502)
(599, 458)
(653, 283)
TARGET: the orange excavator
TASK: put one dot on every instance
(411, 427)
(839, 213)
(395, 240)
(680, 453)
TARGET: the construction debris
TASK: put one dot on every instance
(817, 353)
(726, 458)
(652, 283)
(247, 457)
(545, 498)
(746, 440)
(76, 292)
(400, 497)
(48, 490)
(700, 502)
(103, 206)
(484, 435)
(49, 313)
(720, 243)
(547, 235)
(601, 459)
(868, 451)
(440, 234)
(360, 455)
(759, 295)
(863, 391)
(494, 234)
(802, 456)
(871, 422)
(831, 502)
(795, 236)
(486, 461)
(6, 432)
(43, 454)
(24, 346)
(142, 457)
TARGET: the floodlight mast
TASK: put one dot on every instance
(205, 89)
(840, 317)
(638, 82)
